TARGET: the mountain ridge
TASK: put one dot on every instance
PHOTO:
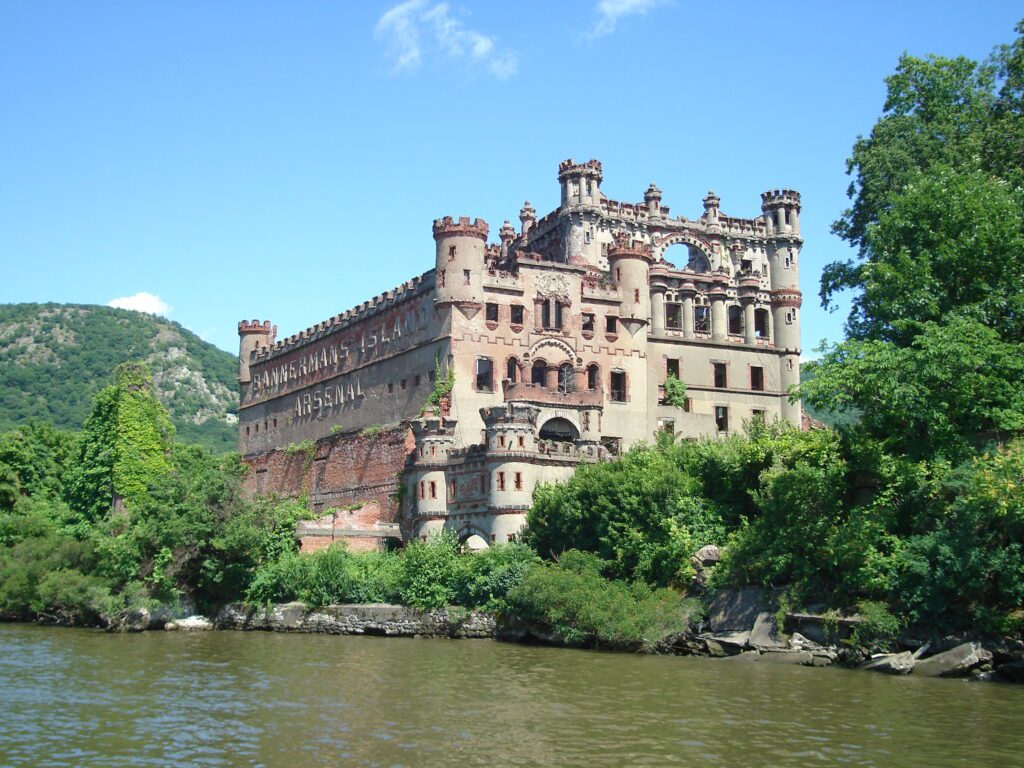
(55, 357)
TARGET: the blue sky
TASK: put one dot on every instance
(284, 161)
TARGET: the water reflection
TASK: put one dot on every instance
(78, 698)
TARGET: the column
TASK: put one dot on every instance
(748, 322)
(719, 321)
(658, 310)
(688, 315)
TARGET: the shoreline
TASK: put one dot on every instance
(952, 657)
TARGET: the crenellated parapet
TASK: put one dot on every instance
(462, 227)
(255, 326)
(569, 168)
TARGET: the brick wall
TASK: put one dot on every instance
(341, 471)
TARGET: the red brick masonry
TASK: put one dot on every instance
(342, 471)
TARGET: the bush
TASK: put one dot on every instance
(485, 578)
(430, 571)
(576, 606)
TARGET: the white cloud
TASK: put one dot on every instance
(142, 302)
(610, 12)
(403, 27)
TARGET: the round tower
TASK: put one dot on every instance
(428, 488)
(511, 434)
(781, 208)
(460, 259)
(581, 182)
(252, 335)
(630, 262)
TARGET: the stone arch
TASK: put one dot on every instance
(470, 536)
(559, 428)
(702, 247)
(558, 344)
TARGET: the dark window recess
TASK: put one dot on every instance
(610, 324)
(701, 319)
(492, 312)
(566, 378)
(722, 418)
(672, 367)
(757, 416)
(451, 252)
(558, 315)
(517, 314)
(761, 323)
(545, 314)
(484, 374)
(735, 320)
(538, 372)
(674, 316)
(687, 405)
(746, 265)
(512, 370)
(465, 276)
(618, 386)
(721, 381)
(757, 378)
(593, 373)
(588, 323)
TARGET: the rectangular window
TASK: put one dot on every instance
(519, 481)
(558, 315)
(501, 481)
(484, 374)
(757, 378)
(433, 489)
(465, 277)
(545, 314)
(701, 319)
(618, 386)
(761, 323)
(517, 314)
(522, 443)
(492, 312)
(735, 320)
(674, 316)
(423, 494)
(757, 416)
(687, 405)
(668, 426)
(588, 323)
(610, 324)
(720, 375)
(722, 418)
(672, 367)
(501, 440)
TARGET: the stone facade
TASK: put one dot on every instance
(560, 335)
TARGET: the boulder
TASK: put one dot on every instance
(765, 633)
(706, 556)
(726, 643)
(136, 620)
(736, 610)
(1011, 671)
(190, 624)
(892, 663)
(956, 662)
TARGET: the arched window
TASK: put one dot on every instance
(593, 376)
(566, 378)
(559, 429)
(538, 372)
(512, 370)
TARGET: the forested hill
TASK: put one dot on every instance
(54, 358)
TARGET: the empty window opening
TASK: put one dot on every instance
(451, 253)
(588, 323)
(519, 481)
(761, 323)
(674, 316)
(512, 370)
(735, 320)
(566, 378)
(559, 429)
(610, 324)
(593, 376)
(721, 380)
(538, 372)
(672, 367)
(492, 312)
(701, 319)
(501, 481)
(618, 386)
(484, 374)
(517, 314)
(433, 489)
(465, 277)
(757, 378)
(722, 418)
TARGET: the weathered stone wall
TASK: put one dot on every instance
(375, 619)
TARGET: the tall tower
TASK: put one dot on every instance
(252, 335)
(630, 263)
(781, 208)
(460, 260)
(580, 210)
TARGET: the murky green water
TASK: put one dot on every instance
(85, 698)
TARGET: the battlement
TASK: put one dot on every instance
(626, 247)
(448, 226)
(255, 326)
(570, 167)
(775, 198)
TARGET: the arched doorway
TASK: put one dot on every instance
(559, 429)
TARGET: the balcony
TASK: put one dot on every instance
(535, 393)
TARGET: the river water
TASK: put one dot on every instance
(72, 697)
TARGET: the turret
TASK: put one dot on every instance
(781, 210)
(711, 205)
(460, 259)
(428, 486)
(652, 197)
(581, 183)
(630, 261)
(252, 335)
(507, 234)
(527, 218)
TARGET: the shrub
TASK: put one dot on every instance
(429, 571)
